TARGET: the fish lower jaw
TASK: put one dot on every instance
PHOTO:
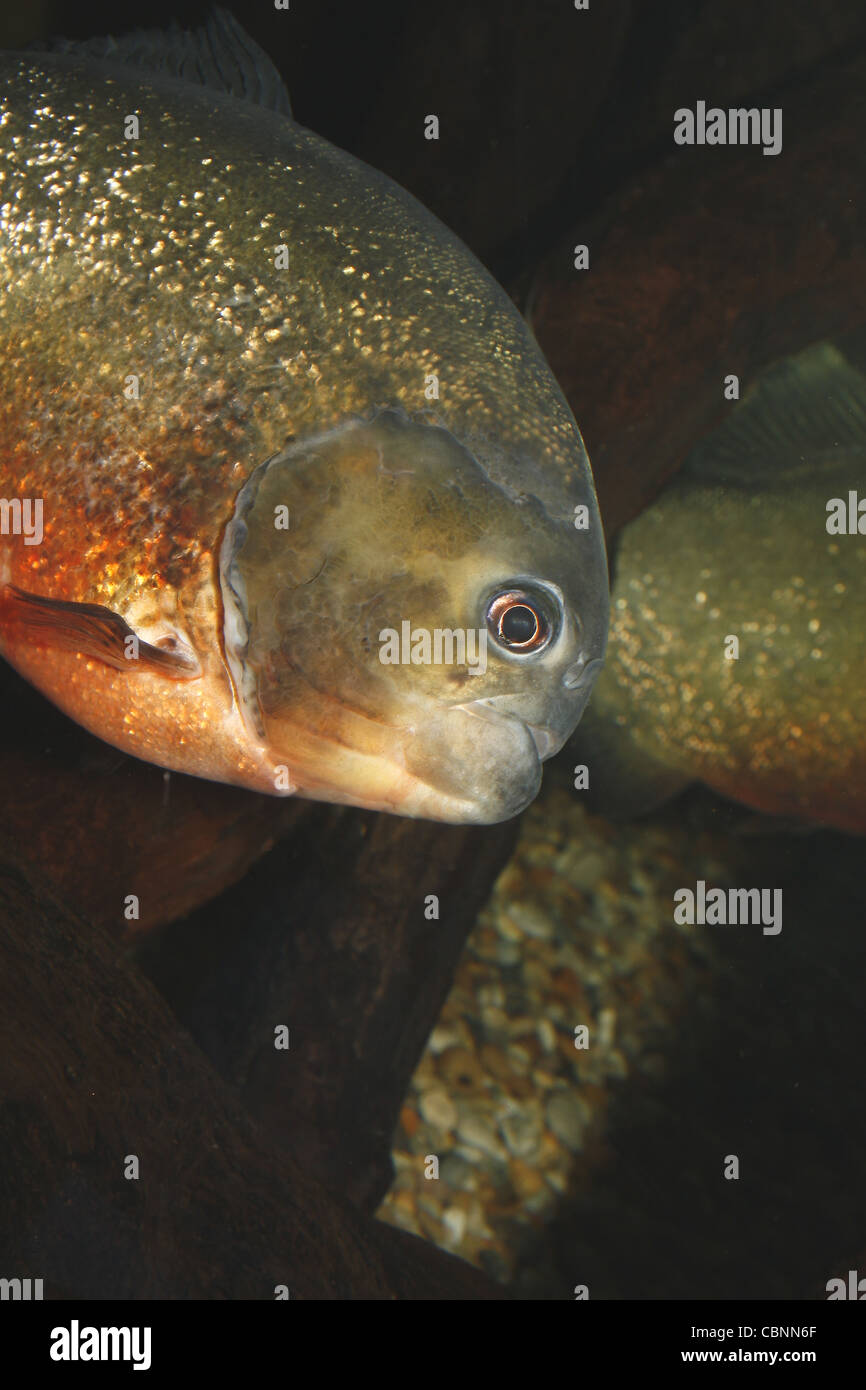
(394, 791)
(385, 780)
(547, 741)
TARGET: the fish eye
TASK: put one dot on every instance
(521, 620)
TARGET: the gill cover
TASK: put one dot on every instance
(363, 530)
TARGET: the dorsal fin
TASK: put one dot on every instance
(806, 407)
(220, 54)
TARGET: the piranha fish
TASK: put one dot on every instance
(267, 409)
(745, 544)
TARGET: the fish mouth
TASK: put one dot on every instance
(488, 774)
(547, 741)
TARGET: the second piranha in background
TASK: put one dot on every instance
(737, 655)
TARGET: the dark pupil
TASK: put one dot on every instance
(519, 624)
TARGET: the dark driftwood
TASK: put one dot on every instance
(102, 826)
(93, 1067)
(328, 936)
(525, 84)
(719, 261)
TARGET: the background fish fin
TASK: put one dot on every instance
(96, 632)
(623, 780)
(219, 54)
(811, 404)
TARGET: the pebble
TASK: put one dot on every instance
(606, 1027)
(525, 1178)
(537, 977)
(406, 1220)
(474, 1130)
(566, 1118)
(507, 953)
(473, 1156)
(510, 931)
(494, 1020)
(455, 1221)
(487, 945)
(539, 1203)
(477, 1222)
(521, 1127)
(409, 1120)
(521, 1027)
(530, 918)
(543, 1079)
(458, 1173)
(491, 995)
(460, 1070)
(521, 1088)
(444, 1035)
(495, 1063)
(546, 1034)
(584, 867)
(438, 1109)
(519, 1057)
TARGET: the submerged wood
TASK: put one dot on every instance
(103, 827)
(94, 1070)
(329, 938)
(717, 262)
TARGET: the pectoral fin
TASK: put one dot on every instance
(96, 632)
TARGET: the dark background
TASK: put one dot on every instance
(545, 114)
(543, 109)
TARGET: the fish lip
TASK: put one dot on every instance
(546, 741)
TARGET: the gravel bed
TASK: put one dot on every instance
(570, 983)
